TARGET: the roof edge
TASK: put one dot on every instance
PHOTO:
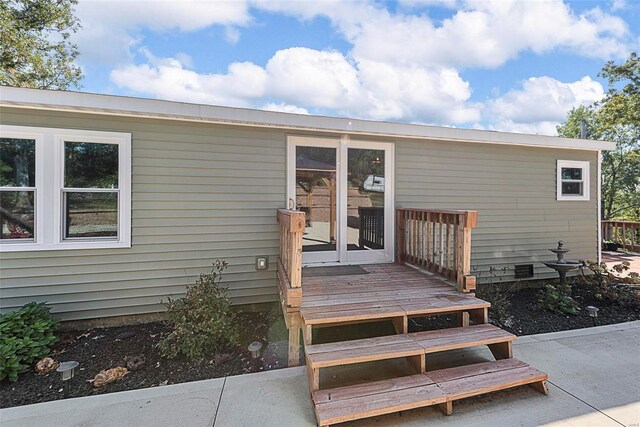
(83, 102)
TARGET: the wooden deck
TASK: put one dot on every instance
(385, 291)
(437, 244)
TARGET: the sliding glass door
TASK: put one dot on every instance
(345, 189)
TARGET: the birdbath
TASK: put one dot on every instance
(561, 265)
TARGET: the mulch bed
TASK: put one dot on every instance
(104, 348)
(526, 317)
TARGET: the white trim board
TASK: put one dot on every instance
(80, 102)
(50, 187)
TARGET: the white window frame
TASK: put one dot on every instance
(50, 184)
(586, 187)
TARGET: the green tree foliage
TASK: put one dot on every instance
(35, 46)
(615, 118)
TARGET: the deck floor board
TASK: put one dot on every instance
(386, 291)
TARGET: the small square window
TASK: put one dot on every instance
(573, 180)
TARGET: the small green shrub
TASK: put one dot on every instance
(557, 299)
(25, 337)
(203, 323)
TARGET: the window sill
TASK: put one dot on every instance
(33, 247)
(573, 199)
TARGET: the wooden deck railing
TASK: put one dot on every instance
(438, 241)
(371, 230)
(292, 225)
(626, 233)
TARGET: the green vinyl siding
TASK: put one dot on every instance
(513, 188)
(203, 191)
(199, 192)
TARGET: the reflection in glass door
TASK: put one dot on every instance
(316, 196)
(365, 199)
(345, 188)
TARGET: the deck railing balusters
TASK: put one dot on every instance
(439, 241)
(626, 233)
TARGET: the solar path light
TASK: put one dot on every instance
(593, 312)
(67, 371)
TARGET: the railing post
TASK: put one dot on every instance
(400, 236)
(467, 222)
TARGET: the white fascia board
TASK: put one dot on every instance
(151, 108)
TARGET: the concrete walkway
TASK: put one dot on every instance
(594, 381)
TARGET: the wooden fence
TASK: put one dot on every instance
(438, 241)
(626, 233)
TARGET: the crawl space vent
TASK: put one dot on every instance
(524, 270)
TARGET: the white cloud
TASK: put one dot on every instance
(541, 104)
(284, 108)
(401, 66)
(482, 33)
(618, 5)
(232, 35)
(312, 78)
(112, 27)
(167, 78)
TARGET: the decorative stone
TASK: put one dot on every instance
(46, 365)
(135, 362)
(109, 376)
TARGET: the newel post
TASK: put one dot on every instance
(466, 222)
(296, 230)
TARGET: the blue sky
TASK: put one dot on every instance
(498, 64)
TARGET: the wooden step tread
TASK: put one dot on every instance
(395, 346)
(358, 351)
(339, 311)
(438, 387)
(455, 338)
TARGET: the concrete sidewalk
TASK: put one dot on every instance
(594, 381)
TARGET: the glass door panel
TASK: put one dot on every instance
(365, 199)
(316, 195)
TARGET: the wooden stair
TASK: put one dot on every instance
(441, 388)
(414, 346)
(426, 388)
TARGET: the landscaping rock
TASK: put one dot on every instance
(46, 365)
(109, 376)
(135, 362)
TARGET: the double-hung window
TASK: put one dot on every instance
(18, 205)
(64, 189)
(572, 180)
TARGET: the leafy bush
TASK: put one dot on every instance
(609, 284)
(557, 299)
(25, 337)
(202, 321)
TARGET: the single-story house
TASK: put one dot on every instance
(109, 204)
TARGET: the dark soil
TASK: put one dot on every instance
(104, 348)
(524, 316)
